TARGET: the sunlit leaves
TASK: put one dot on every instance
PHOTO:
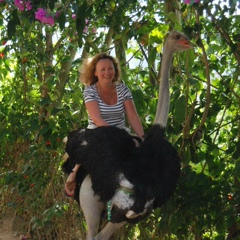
(179, 109)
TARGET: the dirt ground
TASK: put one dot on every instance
(8, 235)
(7, 232)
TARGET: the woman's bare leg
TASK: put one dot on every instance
(70, 184)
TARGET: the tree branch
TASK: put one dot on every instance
(225, 35)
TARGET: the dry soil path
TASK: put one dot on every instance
(8, 235)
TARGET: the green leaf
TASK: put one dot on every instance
(62, 21)
(152, 56)
(179, 109)
(173, 17)
(52, 4)
(11, 26)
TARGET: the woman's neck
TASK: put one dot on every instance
(107, 93)
(105, 86)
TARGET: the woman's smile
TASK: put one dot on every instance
(105, 70)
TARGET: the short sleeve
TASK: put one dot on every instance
(89, 94)
(126, 93)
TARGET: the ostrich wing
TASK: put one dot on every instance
(103, 152)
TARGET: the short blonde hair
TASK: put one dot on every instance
(88, 67)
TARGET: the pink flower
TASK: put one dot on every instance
(85, 30)
(28, 5)
(21, 4)
(40, 14)
(44, 17)
(57, 14)
(74, 16)
(1, 0)
(48, 20)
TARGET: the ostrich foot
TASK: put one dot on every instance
(131, 214)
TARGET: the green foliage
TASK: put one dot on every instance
(41, 102)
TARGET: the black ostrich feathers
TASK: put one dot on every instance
(161, 163)
(105, 152)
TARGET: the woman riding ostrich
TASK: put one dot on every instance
(126, 180)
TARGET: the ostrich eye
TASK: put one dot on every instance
(178, 37)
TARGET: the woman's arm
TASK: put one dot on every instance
(95, 114)
(133, 117)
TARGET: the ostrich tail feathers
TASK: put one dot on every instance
(67, 167)
(161, 164)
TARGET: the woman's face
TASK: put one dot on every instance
(105, 71)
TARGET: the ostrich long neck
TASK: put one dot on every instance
(163, 95)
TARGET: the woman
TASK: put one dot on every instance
(107, 101)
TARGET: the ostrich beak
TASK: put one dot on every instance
(186, 43)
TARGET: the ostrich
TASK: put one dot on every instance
(126, 181)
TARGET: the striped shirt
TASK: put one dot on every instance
(114, 115)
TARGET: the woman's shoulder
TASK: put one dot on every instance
(121, 85)
(90, 93)
(123, 91)
(90, 88)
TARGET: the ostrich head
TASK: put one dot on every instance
(175, 41)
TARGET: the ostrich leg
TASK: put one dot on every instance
(91, 206)
(108, 230)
